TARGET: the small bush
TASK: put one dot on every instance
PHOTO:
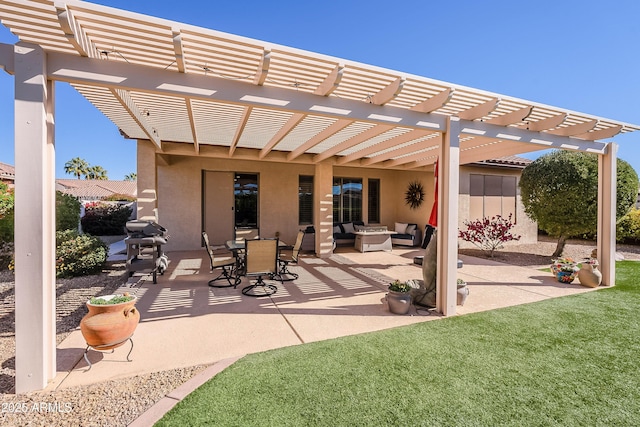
(628, 228)
(67, 212)
(6, 255)
(119, 197)
(79, 255)
(489, 234)
(7, 201)
(101, 219)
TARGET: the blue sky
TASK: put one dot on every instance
(579, 55)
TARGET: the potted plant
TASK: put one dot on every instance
(564, 269)
(463, 291)
(398, 298)
(111, 321)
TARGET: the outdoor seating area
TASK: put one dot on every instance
(333, 297)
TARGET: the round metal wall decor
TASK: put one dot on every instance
(414, 196)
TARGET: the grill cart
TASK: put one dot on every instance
(144, 247)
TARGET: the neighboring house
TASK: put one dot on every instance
(7, 174)
(96, 189)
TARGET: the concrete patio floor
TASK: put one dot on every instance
(185, 323)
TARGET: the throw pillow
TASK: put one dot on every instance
(337, 229)
(401, 227)
(348, 227)
(410, 228)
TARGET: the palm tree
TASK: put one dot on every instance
(77, 167)
(131, 177)
(96, 172)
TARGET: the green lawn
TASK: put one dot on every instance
(569, 361)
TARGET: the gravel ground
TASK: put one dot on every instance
(76, 406)
(119, 402)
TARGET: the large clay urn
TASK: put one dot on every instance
(589, 275)
(110, 325)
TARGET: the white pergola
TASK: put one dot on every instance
(195, 91)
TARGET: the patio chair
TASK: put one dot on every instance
(287, 257)
(261, 261)
(227, 263)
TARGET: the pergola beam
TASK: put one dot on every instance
(111, 74)
(388, 93)
(178, 49)
(284, 131)
(263, 68)
(479, 110)
(240, 129)
(331, 82)
(600, 134)
(192, 125)
(384, 145)
(542, 139)
(574, 130)
(548, 123)
(336, 127)
(129, 104)
(402, 151)
(74, 33)
(512, 117)
(351, 142)
(435, 102)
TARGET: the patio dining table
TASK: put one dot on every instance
(238, 246)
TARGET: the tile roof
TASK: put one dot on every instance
(96, 189)
(7, 171)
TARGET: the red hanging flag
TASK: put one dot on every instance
(433, 218)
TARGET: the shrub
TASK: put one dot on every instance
(6, 255)
(7, 202)
(628, 228)
(101, 219)
(79, 255)
(119, 197)
(67, 212)
(489, 234)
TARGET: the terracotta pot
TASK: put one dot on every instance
(109, 326)
(589, 276)
(399, 302)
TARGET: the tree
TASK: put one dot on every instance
(489, 234)
(96, 172)
(131, 177)
(77, 167)
(560, 191)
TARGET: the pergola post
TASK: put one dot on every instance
(34, 220)
(147, 181)
(448, 189)
(323, 208)
(607, 201)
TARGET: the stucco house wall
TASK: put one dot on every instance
(171, 192)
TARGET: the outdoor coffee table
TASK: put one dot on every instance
(367, 241)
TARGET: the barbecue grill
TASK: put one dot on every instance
(144, 247)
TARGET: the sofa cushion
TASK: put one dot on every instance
(344, 236)
(401, 227)
(337, 229)
(410, 228)
(348, 227)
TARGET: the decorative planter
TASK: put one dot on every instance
(110, 325)
(399, 302)
(463, 292)
(565, 276)
(589, 276)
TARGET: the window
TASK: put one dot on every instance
(374, 201)
(245, 190)
(492, 195)
(305, 200)
(347, 199)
